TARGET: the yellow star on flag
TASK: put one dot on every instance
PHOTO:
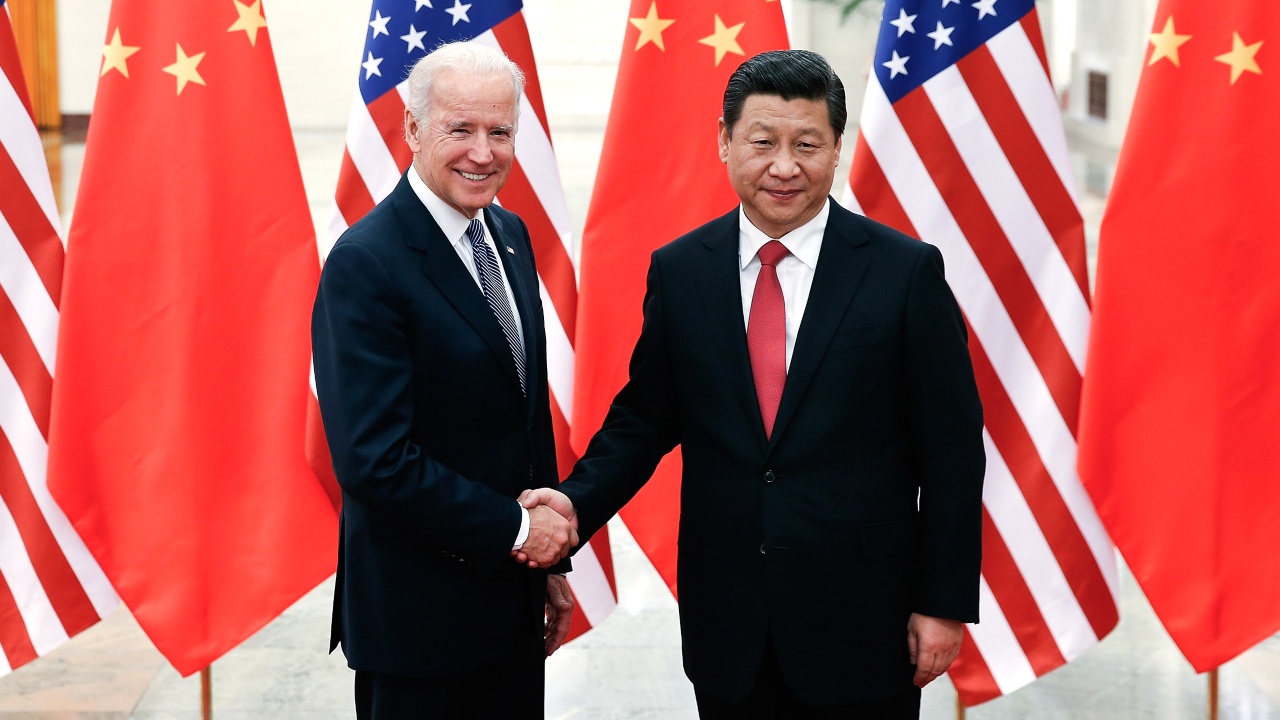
(1166, 44)
(185, 69)
(115, 54)
(725, 39)
(1241, 57)
(250, 20)
(651, 27)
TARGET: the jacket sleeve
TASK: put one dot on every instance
(364, 376)
(946, 425)
(641, 427)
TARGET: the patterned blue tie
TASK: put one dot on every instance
(491, 283)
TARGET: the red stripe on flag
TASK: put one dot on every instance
(1016, 601)
(19, 353)
(60, 583)
(11, 64)
(969, 673)
(1029, 160)
(353, 197)
(565, 457)
(1031, 26)
(874, 193)
(388, 115)
(989, 243)
(554, 266)
(318, 453)
(1063, 535)
(513, 36)
(604, 554)
(31, 226)
(14, 639)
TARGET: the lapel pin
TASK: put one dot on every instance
(511, 250)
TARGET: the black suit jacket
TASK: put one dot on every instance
(815, 533)
(432, 441)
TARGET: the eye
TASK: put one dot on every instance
(762, 143)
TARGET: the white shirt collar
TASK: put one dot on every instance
(453, 223)
(805, 242)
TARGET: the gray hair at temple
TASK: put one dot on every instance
(467, 57)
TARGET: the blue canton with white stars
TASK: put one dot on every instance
(400, 32)
(921, 38)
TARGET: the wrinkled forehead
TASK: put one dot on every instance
(454, 91)
(775, 114)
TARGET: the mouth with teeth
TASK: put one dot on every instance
(473, 177)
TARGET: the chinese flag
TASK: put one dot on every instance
(179, 406)
(660, 176)
(1181, 407)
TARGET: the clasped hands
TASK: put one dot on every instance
(553, 528)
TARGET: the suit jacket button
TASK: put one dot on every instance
(762, 552)
(769, 476)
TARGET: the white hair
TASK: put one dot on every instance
(469, 57)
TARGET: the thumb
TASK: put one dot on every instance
(531, 498)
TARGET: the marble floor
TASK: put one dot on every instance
(630, 666)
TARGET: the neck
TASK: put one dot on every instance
(777, 230)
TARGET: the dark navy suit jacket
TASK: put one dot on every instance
(864, 506)
(432, 440)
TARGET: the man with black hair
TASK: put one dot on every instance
(813, 365)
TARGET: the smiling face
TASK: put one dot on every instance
(782, 157)
(464, 148)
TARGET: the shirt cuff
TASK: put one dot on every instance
(524, 528)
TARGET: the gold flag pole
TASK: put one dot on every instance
(206, 694)
(959, 708)
(1213, 694)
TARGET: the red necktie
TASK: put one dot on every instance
(767, 334)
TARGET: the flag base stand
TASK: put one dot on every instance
(206, 694)
(1213, 694)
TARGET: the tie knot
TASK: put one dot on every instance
(475, 233)
(772, 253)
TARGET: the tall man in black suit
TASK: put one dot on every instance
(813, 366)
(431, 370)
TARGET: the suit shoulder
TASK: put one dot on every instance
(378, 231)
(691, 241)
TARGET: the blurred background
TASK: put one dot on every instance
(629, 666)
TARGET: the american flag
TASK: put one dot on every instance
(400, 33)
(961, 145)
(50, 586)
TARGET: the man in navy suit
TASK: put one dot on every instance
(813, 367)
(430, 366)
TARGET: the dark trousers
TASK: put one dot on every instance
(510, 689)
(771, 699)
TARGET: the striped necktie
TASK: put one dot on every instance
(491, 283)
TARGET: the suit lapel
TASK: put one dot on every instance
(519, 273)
(445, 269)
(720, 280)
(842, 264)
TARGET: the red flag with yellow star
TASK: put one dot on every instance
(1181, 394)
(179, 404)
(660, 176)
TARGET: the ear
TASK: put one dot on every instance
(839, 144)
(411, 131)
(725, 138)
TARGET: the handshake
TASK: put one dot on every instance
(553, 528)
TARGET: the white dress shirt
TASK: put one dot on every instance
(455, 224)
(795, 271)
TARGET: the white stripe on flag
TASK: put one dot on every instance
(41, 620)
(337, 225)
(21, 140)
(1036, 562)
(999, 647)
(369, 152)
(590, 586)
(20, 281)
(1021, 67)
(1013, 209)
(850, 201)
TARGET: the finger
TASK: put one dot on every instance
(533, 498)
(913, 644)
(924, 669)
(558, 634)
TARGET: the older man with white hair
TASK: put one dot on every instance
(430, 366)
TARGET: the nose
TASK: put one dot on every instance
(784, 165)
(480, 151)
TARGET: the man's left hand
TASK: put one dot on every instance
(933, 644)
(559, 612)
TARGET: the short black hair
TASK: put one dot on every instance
(790, 74)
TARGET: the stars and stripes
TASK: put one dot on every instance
(50, 586)
(961, 145)
(400, 33)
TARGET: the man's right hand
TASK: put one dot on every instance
(551, 537)
(542, 499)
